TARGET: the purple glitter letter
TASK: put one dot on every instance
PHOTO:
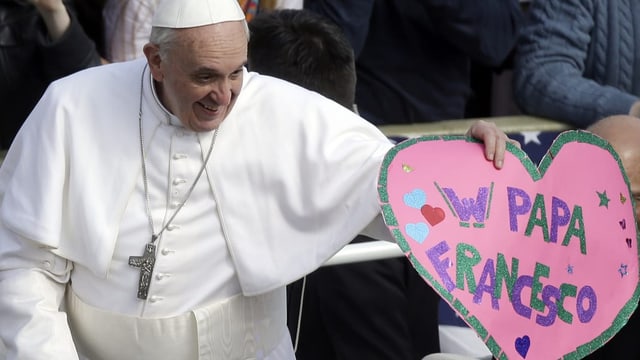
(514, 209)
(468, 206)
(558, 220)
(547, 293)
(441, 266)
(585, 315)
(516, 298)
(489, 272)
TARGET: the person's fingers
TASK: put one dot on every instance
(500, 149)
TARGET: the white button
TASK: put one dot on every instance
(46, 264)
(178, 181)
(179, 156)
(172, 227)
(161, 276)
(155, 298)
(166, 251)
(175, 204)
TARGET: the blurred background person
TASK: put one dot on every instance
(577, 61)
(40, 41)
(413, 57)
(127, 25)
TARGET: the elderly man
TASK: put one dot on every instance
(156, 209)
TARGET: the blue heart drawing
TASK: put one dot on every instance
(522, 345)
(417, 232)
(415, 199)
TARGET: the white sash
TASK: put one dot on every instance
(237, 328)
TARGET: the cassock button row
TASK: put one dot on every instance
(178, 181)
(161, 276)
(166, 251)
(172, 227)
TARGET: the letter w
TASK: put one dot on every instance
(468, 207)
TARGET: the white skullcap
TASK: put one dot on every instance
(191, 13)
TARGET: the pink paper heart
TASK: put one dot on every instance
(534, 259)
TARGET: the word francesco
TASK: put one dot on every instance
(525, 216)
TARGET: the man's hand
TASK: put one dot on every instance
(495, 141)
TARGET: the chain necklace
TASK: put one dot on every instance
(147, 261)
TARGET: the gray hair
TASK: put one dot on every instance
(165, 38)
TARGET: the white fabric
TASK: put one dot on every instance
(293, 176)
(192, 13)
(127, 25)
(194, 237)
(237, 328)
(464, 341)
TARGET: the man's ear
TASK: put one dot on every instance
(152, 53)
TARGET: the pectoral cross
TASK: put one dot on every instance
(145, 263)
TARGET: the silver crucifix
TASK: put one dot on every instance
(145, 263)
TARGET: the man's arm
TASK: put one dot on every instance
(32, 286)
(549, 76)
(66, 48)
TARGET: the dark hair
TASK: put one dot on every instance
(304, 48)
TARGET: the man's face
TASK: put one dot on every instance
(200, 78)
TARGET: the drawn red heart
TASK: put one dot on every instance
(432, 215)
(526, 255)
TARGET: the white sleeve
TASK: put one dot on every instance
(32, 286)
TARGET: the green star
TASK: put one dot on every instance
(604, 200)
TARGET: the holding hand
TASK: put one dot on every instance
(495, 141)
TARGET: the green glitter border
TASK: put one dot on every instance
(536, 173)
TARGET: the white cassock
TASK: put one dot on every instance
(292, 179)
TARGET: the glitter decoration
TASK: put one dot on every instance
(445, 198)
(522, 345)
(604, 199)
(623, 270)
(416, 198)
(433, 215)
(493, 346)
(417, 231)
(586, 294)
(451, 260)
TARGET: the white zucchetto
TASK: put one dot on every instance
(192, 13)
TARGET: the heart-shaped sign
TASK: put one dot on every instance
(541, 262)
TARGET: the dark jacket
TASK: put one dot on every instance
(413, 56)
(29, 61)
